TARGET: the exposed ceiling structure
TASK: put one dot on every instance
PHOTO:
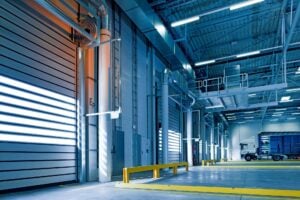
(245, 54)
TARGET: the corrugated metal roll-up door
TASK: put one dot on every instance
(174, 134)
(37, 100)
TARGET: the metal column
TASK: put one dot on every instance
(189, 134)
(165, 115)
(105, 135)
(212, 139)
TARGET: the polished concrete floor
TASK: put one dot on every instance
(236, 177)
(109, 192)
(197, 176)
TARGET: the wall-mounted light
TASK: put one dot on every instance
(244, 4)
(248, 54)
(205, 62)
(185, 21)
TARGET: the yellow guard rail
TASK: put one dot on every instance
(154, 168)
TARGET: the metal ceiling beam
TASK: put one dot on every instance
(251, 106)
(150, 24)
(241, 91)
(291, 31)
(264, 52)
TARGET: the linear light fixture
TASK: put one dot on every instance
(293, 90)
(244, 4)
(205, 62)
(285, 99)
(252, 95)
(216, 106)
(291, 118)
(280, 109)
(247, 54)
(185, 21)
(276, 113)
(249, 112)
(295, 113)
(248, 117)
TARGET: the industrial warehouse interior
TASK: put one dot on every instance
(149, 99)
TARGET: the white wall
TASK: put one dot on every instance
(240, 132)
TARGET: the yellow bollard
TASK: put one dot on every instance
(125, 175)
(156, 173)
(175, 170)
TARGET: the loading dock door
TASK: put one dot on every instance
(37, 99)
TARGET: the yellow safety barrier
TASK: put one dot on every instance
(155, 168)
(208, 162)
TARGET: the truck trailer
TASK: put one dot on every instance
(276, 145)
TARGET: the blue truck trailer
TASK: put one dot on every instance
(277, 145)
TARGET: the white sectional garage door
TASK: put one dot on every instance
(37, 100)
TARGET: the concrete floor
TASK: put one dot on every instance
(235, 177)
(207, 176)
(97, 191)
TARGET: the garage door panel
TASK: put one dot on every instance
(12, 46)
(15, 156)
(15, 27)
(23, 70)
(12, 175)
(38, 110)
(31, 46)
(5, 185)
(34, 64)
(21, 147)
(9, 166)
(31, 18)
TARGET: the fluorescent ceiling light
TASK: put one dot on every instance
(228, 114)
(216, 106)
(252, 95)
(280, 109)
(273, 120)
(291, 118)
(249, 112)
(244, 4)
(248, 54)
(293, 90)
(295, 113)
(248, 117)
(205, 62)
(285, 99)
(277, 115)
(185, 21)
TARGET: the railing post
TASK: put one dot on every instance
(156, 172)
(175, 170)
(125, 175)
(187, 167)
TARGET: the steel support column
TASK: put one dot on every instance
(165, 115)
(189, 135)
(104, 130)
